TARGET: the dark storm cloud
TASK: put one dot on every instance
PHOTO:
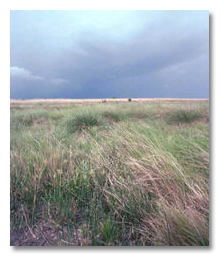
(162, 60)
(100, 67)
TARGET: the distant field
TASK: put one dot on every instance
(65, 101)
(109, 173)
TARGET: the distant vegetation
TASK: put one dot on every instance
(110, 174)
(185, 115)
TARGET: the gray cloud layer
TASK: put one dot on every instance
(167, 56)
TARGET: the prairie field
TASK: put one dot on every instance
(109, 173)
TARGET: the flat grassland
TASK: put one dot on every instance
(110, 173)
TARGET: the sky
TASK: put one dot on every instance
(106, 54)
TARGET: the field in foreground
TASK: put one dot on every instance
(110, 173)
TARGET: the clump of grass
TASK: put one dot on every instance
(108, 229)
(83, 120)
(185, 116)
(113, 116)
(27, 118)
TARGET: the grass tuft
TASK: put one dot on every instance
(185, 116)
(83, 121)
(113, 116)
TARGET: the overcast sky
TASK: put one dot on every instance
(104, 54)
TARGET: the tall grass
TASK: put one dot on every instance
(83, 120)
(186, 115)
(95, 178)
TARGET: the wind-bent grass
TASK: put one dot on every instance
(112, 174)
